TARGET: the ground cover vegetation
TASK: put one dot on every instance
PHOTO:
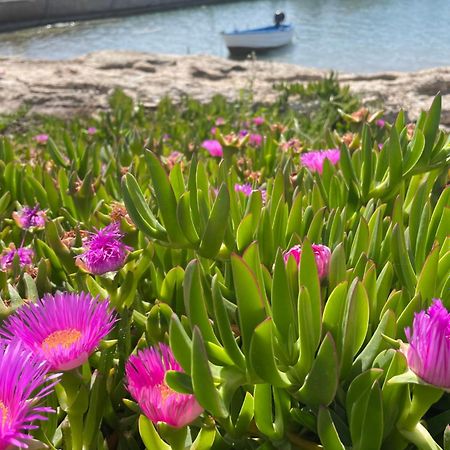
(226, 275)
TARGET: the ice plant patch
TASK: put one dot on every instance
(63, 329)
(27, 217)
(104, 251)
(24, 254)
(145, 376)
(322, 255)
(428, 352)
(314, 160)
(22, 386)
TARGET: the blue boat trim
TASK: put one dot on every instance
(271, 29)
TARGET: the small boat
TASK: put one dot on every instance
(260, 38)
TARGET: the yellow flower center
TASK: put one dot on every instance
(63, 338)
(4, 411)
(165, 391)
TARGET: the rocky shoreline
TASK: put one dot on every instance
(83, 85)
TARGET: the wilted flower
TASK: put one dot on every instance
(322, 255)
(410, 129)
(91, 130)
(30, 217)
(146, 382)
(360, 115)
(258, 120)
(105, 251)
(22, 386)
(173, 159)
(41, 138)
(213, 147)
(347, 138)
(246, 189)
(428, 352)
(63, 329)
(293, 144)
(314, 160)
(7, 258)
(255, 140)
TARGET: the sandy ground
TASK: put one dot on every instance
(82, 85)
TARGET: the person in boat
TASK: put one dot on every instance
(278, 18)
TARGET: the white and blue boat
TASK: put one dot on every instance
(260, 38)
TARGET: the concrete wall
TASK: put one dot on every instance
(15, 14)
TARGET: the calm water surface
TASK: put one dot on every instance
(346, 35)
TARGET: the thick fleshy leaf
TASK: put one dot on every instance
(217, 223)
(149, 436)
(328, 434)
(166, 199)
(202, 380)
(322, 381)
(262, 356)
(249, 300)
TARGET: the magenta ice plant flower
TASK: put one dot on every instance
(314, 160)
(104, 251)
(91, 130)
(213, 147)
(380, 123)
(322, 255)
(428, 352)
(30, 217)
(7, 257)
(41, 138)
(23, 384)
(258, 120)
(62, 329)
(246, 188)
(255, 140)
(145, 374)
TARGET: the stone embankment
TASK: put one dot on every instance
(83, 85)
(16, 14)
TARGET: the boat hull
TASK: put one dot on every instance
(263, 39)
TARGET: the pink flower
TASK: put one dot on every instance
(314, 160)
(7, 259)
(22, 387)
(63, 329)
(145, 373)
(104, 251)
(41, 138)
(91, 130)
(380, 123)
(213, 147)
(30, 217)
(220, 121)
(246, 189)
(258, 120)
(213, 131)
(255, 140)
(428, 352)
(322, 256)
